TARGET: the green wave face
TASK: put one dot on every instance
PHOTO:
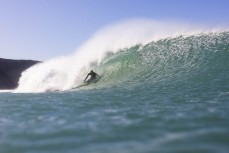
(194, 58)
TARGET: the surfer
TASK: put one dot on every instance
(93, 76)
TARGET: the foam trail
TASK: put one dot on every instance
(66, 72)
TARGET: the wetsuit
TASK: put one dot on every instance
(93, 76)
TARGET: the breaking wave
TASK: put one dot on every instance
(136, 53)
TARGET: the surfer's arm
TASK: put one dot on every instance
(86, 78)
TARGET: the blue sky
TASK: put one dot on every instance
(43, 29)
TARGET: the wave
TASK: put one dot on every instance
(196, 56)
(134, 53)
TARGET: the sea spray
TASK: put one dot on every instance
(66, 72)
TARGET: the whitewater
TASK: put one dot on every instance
(164, 89)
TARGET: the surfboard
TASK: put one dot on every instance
(88, 82)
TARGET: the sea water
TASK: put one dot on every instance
(169, 95)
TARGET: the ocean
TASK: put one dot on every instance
(170, 95)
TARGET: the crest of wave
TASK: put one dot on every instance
(65, 72)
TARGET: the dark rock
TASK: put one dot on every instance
(10, 72)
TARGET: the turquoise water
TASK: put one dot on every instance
(166, 96)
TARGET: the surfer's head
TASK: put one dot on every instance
(91, 70)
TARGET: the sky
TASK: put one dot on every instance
(44, 29)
